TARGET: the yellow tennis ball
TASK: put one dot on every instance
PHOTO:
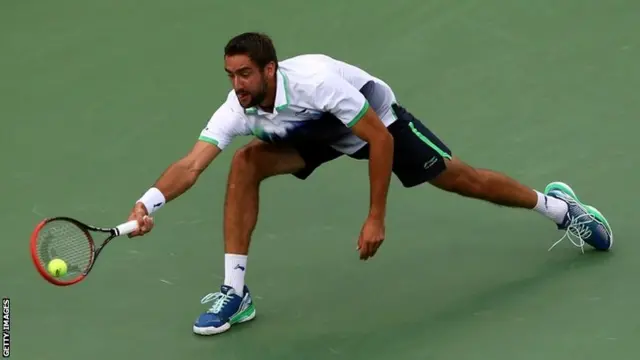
(57, 267)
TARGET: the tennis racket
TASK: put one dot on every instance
(73, 242)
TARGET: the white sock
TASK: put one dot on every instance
(554, 209)
(235, 267)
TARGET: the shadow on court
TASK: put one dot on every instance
(435, 329)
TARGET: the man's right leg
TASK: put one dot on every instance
(251, 165)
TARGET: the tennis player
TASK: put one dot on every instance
(306, 111)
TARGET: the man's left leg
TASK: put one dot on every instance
(497, 188)
(422, 157)
(558, 203)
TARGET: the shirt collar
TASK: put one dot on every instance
(282, 96)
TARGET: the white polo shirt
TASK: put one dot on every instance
(308, 86)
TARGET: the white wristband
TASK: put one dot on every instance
(153, 200)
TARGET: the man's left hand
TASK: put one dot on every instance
(371, 237)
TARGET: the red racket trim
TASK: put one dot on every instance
(43, 272)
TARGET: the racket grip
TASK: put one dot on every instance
(127, 228)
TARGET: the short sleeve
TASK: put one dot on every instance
(225, 124)
(338, 97)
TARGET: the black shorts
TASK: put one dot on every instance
(418, 157)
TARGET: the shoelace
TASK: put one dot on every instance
(577, 231)
(219, 301)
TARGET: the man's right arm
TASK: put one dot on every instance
(174, 181)
(225, 124)
(183, 174)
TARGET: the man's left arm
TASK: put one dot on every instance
(348, 104)
(372, 130)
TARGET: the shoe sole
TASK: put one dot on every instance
(562, 187)
(247, 315)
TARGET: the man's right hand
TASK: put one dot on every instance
(145, 223)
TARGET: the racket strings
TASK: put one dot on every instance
(65, 241)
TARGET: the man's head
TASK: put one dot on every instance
(251, 63)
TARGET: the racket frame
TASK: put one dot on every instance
(122, 229)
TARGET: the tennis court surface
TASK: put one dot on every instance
(97, 98)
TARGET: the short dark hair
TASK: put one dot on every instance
(257, 46)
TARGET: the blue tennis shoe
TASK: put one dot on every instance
(583, 223)
(228, 308)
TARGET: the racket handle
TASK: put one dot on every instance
(127, 228)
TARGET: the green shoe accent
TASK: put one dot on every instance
(557, 185)
(560, 186)
(598, 215)
(245, 315)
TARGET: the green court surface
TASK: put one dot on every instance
(98, 97)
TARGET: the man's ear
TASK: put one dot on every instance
(270, 69)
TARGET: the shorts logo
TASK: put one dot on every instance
(430, 163)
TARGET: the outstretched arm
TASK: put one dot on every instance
(372, 130)
(181, 175)
(174, 181)
(337, 96)
(225, 124)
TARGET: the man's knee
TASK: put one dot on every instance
(246, 162)
(461, 178)
(258, 160)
